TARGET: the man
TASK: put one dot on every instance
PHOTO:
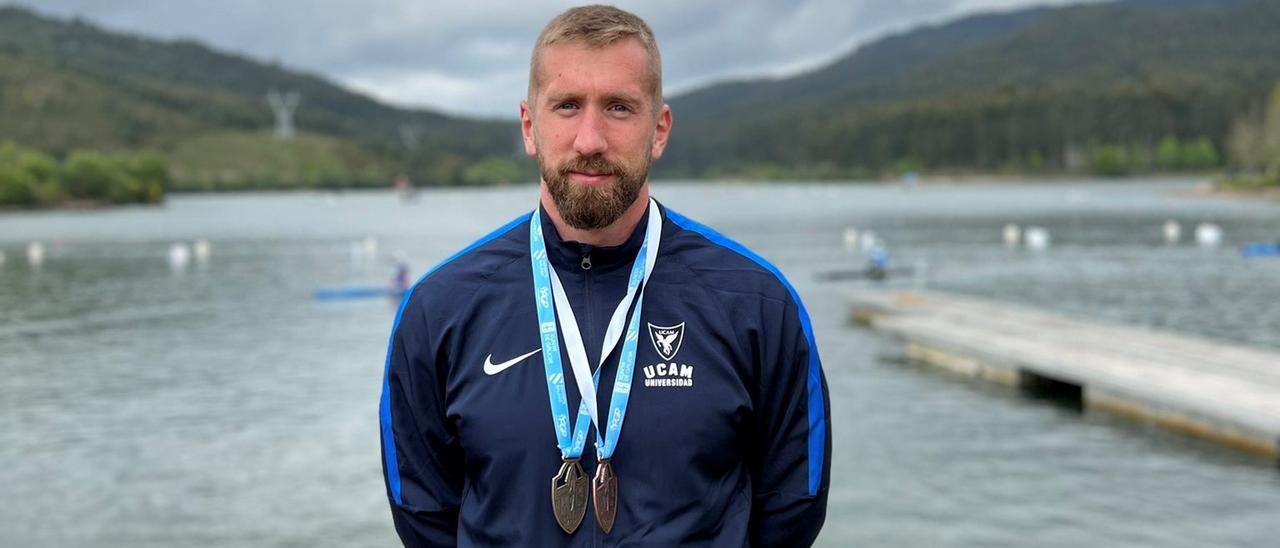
(709, 397)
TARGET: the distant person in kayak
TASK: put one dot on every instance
(401, 280)
(403, 187)
(877, 262)
(709, 416)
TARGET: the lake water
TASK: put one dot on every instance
(220, 405)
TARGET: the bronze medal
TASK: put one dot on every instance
(604, 490)
(569, 495)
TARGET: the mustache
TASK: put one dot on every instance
(591, 164)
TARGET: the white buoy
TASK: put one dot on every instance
(35, 254)
(1012, 235)
(1172, 231)
(851, 238)
(179, 256)
(1208, 235)
(868, 240)
(202, 249)
(370, 246)
(1037, 238)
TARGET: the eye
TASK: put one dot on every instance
(567, 105)
(619, 108)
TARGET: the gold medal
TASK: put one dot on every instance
(604, 491)
(569, 495)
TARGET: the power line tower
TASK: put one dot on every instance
(283, 105)
(410, 135)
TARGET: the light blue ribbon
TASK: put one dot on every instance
(552, 302)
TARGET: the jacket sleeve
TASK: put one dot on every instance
(793, 457)
(422, 462)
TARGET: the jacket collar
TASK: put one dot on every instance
(568, 255)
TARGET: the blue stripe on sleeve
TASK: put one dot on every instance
(817, 417)
(384, 411)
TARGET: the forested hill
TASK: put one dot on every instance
(1045, 88)
(1115, 87)
(68, 85)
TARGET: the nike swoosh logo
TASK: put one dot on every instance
(491, 368)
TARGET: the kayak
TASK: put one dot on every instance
(356, 292)
(1261, 249)
(864, 274)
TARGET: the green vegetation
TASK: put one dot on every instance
(1113, 88)
(1171, 155)
(1193, 155)
(1111, 160)
(246, 160)
(496, 170)
(30, 178)
(67, 85)
(1094, 88)
(1255, 147)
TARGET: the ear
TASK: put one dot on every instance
(661, 132)
(526, 130)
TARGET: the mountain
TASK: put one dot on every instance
(876, 63)
(1036, 88)
(1110, 87)
(67, 85)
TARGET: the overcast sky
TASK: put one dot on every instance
(471, 57)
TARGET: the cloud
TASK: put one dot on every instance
(472, 57)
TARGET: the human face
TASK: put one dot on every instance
(594, 126)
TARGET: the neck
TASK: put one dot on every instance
(614, 234)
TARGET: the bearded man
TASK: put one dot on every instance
(512, 354)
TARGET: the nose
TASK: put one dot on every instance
(590, 139)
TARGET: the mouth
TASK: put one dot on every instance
(590, 178)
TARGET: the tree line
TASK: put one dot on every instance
(1254, 144)
(30, 178)
(1117, 131)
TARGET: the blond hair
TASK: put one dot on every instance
(597, 26)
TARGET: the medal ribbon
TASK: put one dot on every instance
(552, 303)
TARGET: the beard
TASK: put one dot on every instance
(593, 207)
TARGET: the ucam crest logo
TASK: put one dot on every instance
(666, 340)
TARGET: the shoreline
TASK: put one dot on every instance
(73, 205)
(1206, 187)
(1263, 192)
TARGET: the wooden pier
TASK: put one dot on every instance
(1222, 392)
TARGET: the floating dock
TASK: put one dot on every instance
(1222, 392)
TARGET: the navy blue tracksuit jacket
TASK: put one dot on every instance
(726, 440)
